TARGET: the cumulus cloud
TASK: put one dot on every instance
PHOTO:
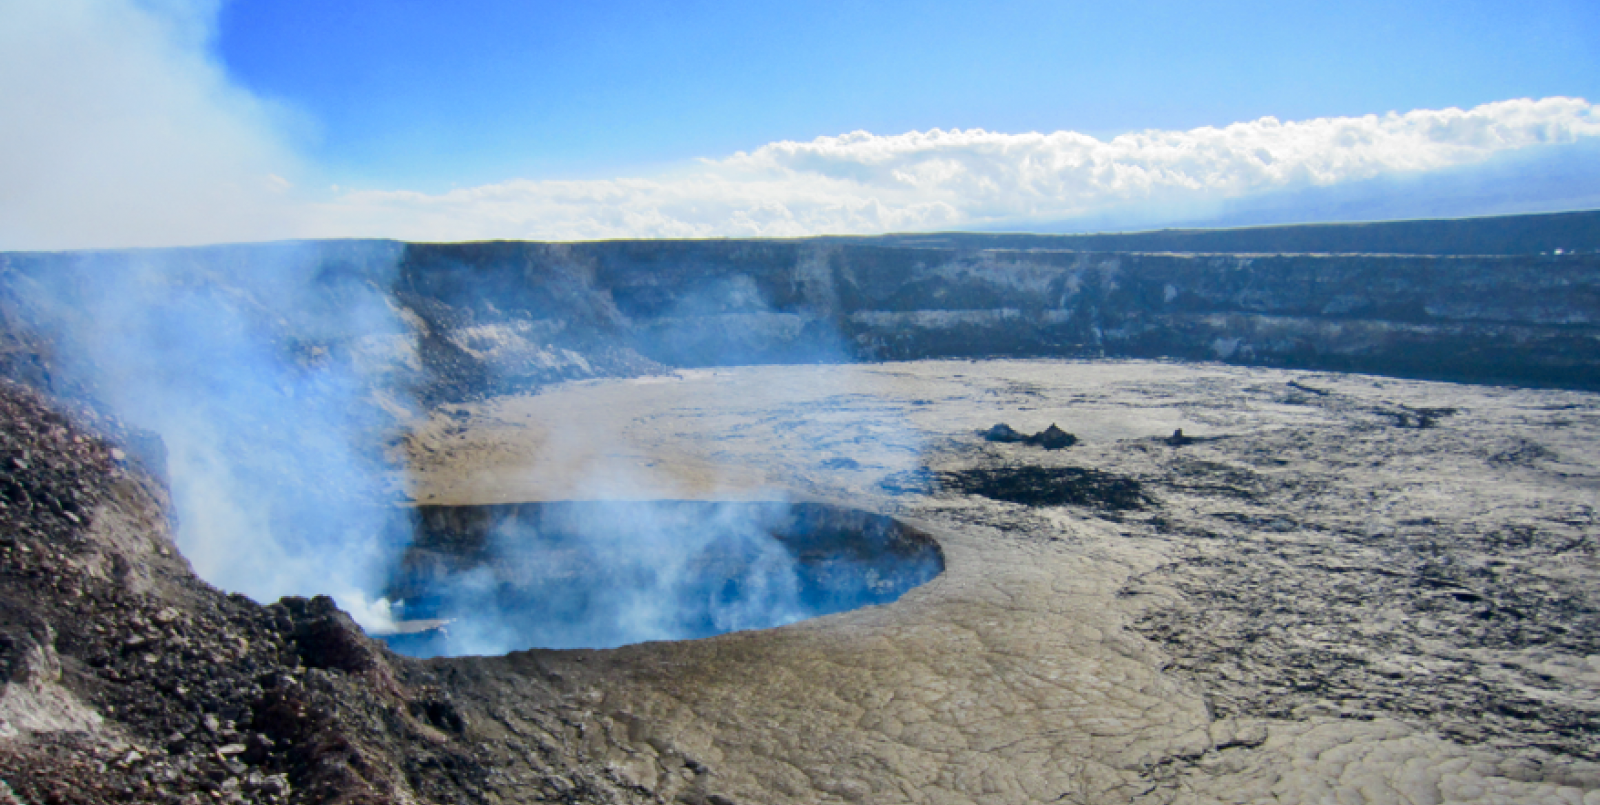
(122, 130)
(866, 183)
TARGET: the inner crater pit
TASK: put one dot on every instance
(598, 574)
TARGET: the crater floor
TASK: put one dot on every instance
(1337, 588)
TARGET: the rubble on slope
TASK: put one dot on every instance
(124, 678)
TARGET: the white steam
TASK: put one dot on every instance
(121, 129)
(242, 360)
(625, 558)
(607, 574)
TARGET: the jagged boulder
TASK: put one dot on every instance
(1052, 438)
(1002, 433)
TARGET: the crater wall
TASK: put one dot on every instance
(1528, 319)
(1498, 300)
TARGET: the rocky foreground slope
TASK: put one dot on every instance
(124, 678)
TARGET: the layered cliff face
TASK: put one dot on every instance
(527, 311)
(461, 320)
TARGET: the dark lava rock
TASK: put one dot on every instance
(168, 690)
(1052, 438)
(329, 638)
(1002, 433)
(1048, 486)
(1420, 418)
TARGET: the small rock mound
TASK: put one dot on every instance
(1051, 438)
(1002, 433)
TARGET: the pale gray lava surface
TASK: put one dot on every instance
(1320, 600)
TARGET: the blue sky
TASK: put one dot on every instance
(143, 122)
(432, 95)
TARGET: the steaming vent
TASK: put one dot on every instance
(598, 574)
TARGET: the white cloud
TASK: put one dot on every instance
(121, 130)
(864, 183)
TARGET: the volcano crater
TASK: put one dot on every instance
(488, 579)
